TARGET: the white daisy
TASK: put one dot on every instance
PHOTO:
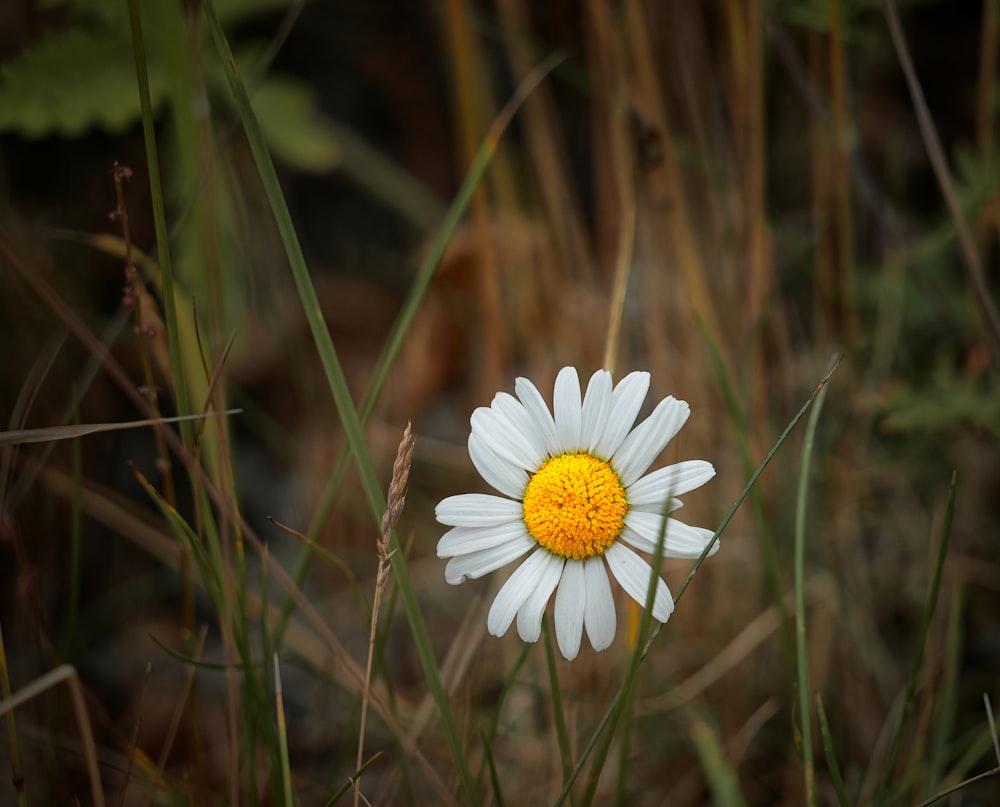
(577, 500)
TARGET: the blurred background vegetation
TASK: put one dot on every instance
(760, 168)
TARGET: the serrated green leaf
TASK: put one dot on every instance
(72, 81)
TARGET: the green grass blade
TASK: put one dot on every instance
(286, 770)
(341, 394)
(801, 643)
(944, 721)
(831, 757)
(505, 688)
(350, 781)
(491, 766)
(160, 222)
(557, 707)
(925, 626)
(722, 780)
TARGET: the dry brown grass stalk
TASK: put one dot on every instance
(393, 510)
(66, 673)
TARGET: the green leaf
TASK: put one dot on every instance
(72, 81)
(288, 116)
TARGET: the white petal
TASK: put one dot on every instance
(502, 474)
(566, 406)
(571, 600)
(515, 591)
(632, 573)
(599, 609)
(673, 480)
(626, 401)
(596, 408)
(477, 510)
(529, 615)
(642, 530)
(675, 504)
(463, 540)
(512, 411)
(476, 564)
(539, 413)
(502, 438)
(648, 439)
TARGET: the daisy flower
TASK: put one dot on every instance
(575, 505)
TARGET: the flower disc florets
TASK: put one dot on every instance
(575, 506)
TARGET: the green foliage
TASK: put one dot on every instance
(82, 77)
(288, 117)
(949, 400)
(73, 81)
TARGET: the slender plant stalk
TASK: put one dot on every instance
(845, 272)
(63, 674)
(508, 682)
(624, 175)
(988, 317)
(831, 755)
(279, 704)
(558, 715)
(159, 219)
(137, 297)
(963, 784)
(925, 626)
(801, 643)
(133, 746)
(491, 766)
(16, 772)
(722, 780)
(76, 523)
(944, 720)
(394, 509)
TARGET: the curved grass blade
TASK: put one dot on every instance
(72, 431)
(350, 780)
(341, 393)
(831, 757)
(801, 645)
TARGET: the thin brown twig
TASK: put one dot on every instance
(136, 296)
(394, 509)
(989, 319)
(134, 742)
(65, 673)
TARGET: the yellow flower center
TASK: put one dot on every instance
(575, 506)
